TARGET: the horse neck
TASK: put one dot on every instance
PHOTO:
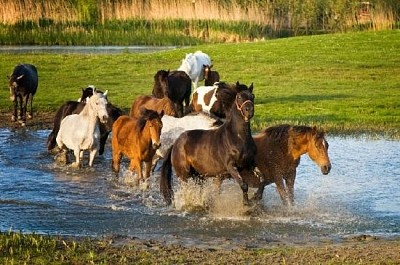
(237, 125)
(298, 146)
(90, 113)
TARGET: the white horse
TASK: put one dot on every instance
(173, 127)
(193, 66)
(80, 132)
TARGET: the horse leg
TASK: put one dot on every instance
(290, 186)
(77, 152)
(15, 103)
(179, 108)
(24, 103)
(92, 154)
(103, 140)
(136, 165)
(116, 158)
(30, 99)
(147, 170)
(280, 186)
(243, 185)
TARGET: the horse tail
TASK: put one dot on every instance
(166, 178)
(51, 141)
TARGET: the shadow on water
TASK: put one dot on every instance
(359, 196)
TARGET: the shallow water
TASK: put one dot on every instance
(361, 195)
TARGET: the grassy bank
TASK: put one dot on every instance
(18, 248)
(346, 83)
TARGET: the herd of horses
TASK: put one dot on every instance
(201, 134)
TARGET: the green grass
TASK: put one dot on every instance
(346, 83)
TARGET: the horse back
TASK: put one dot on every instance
(179, 85)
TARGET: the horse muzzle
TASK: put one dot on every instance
(156, 145)
(103, 119)
(325, 169)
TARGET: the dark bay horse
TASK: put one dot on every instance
(210, 76)
(75, 107)
(279, 149)
(157, 104)
(226, 150)
(176, 85)
(23, 83)
(137, 139)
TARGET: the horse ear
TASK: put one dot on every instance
(251, 87)
(314, 130)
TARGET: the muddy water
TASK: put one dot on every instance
(361, 195)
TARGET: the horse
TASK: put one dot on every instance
(157, 104)
(210, 76)
(193, 66)
(175, 85)
(216, 100)
(23, 83)
(75, 107)
(138, 139)
(279, 149)
(81, 131)
(173, 127)
(227, 149)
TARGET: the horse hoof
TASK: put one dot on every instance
(144, 185)
(13, 118)
(30, 116)
(75, 165)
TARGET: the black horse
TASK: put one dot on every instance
(210, 76)
(75, 107)
(209, 153)
(176, 85)
(23, 83)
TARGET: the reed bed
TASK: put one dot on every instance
(184, 22)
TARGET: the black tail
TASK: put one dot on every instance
(166, 178)
(51, 141)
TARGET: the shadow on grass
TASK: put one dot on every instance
(299, 98)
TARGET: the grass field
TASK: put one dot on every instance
(346, 83)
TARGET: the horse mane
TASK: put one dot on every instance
(145, 115)
(281, 132)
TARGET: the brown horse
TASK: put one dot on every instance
(157, 104)
(279, 149)
(138, 139)
(208, 153)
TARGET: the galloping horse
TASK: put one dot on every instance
(193, 66)
(217, 99)
(81, 131)
(23, 83)
(75, 107)
(138, 139)
(157, 104)
(279, 149)
(227, 149)
(210, 76)
(175, 85)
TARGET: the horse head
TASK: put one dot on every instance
(14, 83)
(206, 70)
(244, 103)
(98, 103)
(318, 150)
(154, 124)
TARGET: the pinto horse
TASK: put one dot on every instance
(210, 76)
(157, 104)
(279, 149)
(80, 132)
(75, 107)
(216, 100)
(138, 139)
(175, 85)
(23, 83)
(193, 66)
(227, 149)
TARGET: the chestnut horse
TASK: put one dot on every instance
(138, 139)
(157, 104)
(279, 149)
(227, 149)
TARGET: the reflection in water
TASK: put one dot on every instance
(361, 195)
